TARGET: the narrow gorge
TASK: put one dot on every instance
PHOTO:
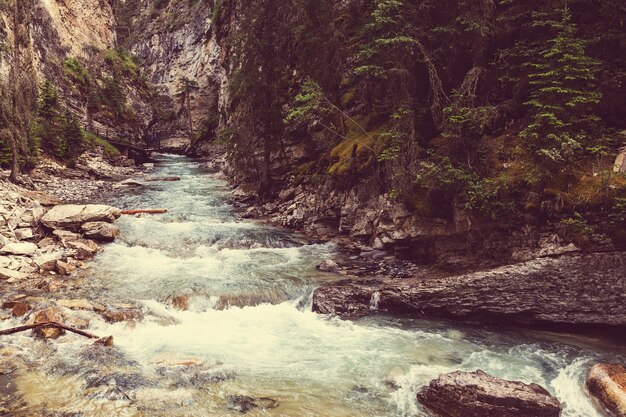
(312, 208)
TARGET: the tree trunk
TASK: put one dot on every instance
(15, 76)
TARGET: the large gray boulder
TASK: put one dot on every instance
(476, 394)
(72, 216)
(580, 290)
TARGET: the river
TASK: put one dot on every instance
(250, 330)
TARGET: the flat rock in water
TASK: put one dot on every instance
(21, 248)
(476, 394)
(543, 291)
(100, 231)
(72, 216)
(607, 384)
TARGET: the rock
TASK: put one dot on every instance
(607, 384)
(131, 183)
(244, 403)
(18, 308)
(543, 291)
(466, 394)
(118, 315)
(12, 275)
(48, 261)
(328, 266)
(181, 302)
(100, 231)
(77, 304)
(620, 161)
(64, 268)
(44, 316)
(175, 359)
(71, 216)
(5, 261)
(24, 234)
(85, 248)
(65, 236)
(21, 248)
(46, 242)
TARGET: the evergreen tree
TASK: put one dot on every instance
(563, 98)
(186, 88)
(262, 51)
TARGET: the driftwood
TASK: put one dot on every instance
(48, 324)
(146, 211)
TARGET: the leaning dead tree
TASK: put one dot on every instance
(108, 341)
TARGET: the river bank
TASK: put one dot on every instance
(210, 312)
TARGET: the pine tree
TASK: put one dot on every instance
(563, 98)
(186, 88)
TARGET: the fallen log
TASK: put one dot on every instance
(146, 211)
(47, 324)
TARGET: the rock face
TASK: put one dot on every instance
(72, 216)
(607, 384)
(476, 394)
(100, 231)
(582, 289)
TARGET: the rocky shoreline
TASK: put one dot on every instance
(46, 247)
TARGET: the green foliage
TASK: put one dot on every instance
(576, 230)
(122, 62)
(93, 141)
(617, 215)
(563, 97)
(58, 134)
(78, 74)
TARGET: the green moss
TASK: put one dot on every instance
(369, 144)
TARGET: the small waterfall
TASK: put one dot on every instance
(374, 301)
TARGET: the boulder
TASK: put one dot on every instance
(131, 183)
(100, 231)
(12, 275)
(76, 304)
(64, 268)
(24, 234)
(476, 394)
(328, 266)
(18, 308)
(21, 248)
(115, 315)
(48, 261)
(72, 216)
(539, 292)
(85, 248)
(47, 315)
(65, 236)
(607, 384)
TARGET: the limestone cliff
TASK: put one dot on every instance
(84, 32)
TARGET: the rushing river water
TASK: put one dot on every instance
(250, 324)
